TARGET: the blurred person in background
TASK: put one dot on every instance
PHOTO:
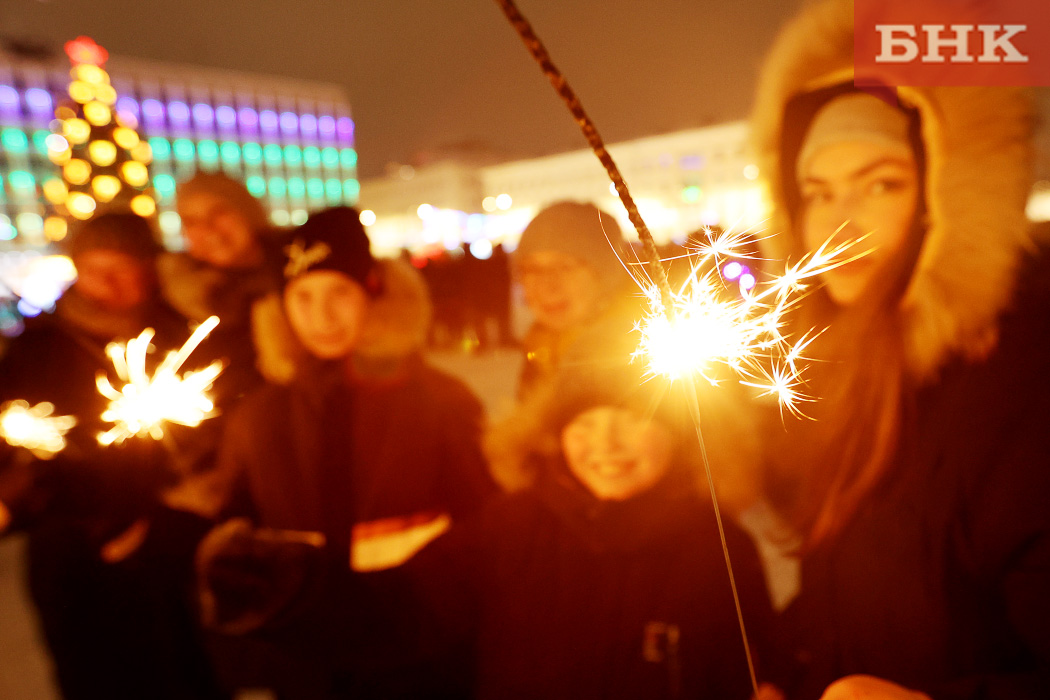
(231, 260)
(109, 565)
(569, 264)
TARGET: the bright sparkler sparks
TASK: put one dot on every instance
(144, 404)
(704, 329)
(34, 427)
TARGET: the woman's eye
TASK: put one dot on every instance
(810, 197)
(886, 186)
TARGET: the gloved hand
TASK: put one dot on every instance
(248, 577)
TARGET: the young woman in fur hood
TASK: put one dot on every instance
(920, 490)
(355, 445)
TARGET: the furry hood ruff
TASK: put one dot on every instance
(396, 325)
(978, 143)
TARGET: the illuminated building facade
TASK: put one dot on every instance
(290, 141)
(681, 181)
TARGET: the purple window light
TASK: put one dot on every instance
(733, 270)
(326, 126)
(178, 112)
(289, 122)
(226, 116)
(152, 110)
(203, 113)
(268, 120)
(248, 118)
(8, 97)
(308, 124)
(345, 127)
(39, 100)
(129, 105)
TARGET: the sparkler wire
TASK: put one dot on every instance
(594, 139)
(694, 409)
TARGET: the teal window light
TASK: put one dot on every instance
(183, 150)
(330, 157)
(278, 187)
(14, 140)
(256, 185)
(296, 188)
(208, 151)
(272, 154)
(160, 147)
(230, 152)
(351, 190)
(252, 153)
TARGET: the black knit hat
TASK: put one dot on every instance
(122, 232)
(332, 239)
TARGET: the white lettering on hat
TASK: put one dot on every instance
(301, 258)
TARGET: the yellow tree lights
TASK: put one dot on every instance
(103, 162)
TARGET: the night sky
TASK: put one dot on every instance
(424, 75)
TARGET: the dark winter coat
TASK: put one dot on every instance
(570, 597)
(940, 582)
(328, 452)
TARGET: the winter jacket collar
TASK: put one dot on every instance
(642, 522)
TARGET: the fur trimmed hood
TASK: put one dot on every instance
(396, 326)
(978, 143)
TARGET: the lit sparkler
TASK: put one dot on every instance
(704, 328)
(144, 404)
(35, 427)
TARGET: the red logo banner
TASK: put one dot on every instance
(951, 42)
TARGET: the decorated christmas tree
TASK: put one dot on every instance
(104, 162)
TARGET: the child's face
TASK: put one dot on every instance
(326, 310)
(615, 452)
(560, 290)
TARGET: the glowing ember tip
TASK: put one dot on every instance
(34, 427)
(144, 404)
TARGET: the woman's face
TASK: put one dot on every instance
(326, 310)
(853, 189)
(561, 290)
(616, 453)
(216, 233)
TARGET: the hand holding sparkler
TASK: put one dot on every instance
(144, 404)
(34, 427)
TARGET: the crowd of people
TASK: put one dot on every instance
(352, 524)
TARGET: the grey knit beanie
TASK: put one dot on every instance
(580, 230)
